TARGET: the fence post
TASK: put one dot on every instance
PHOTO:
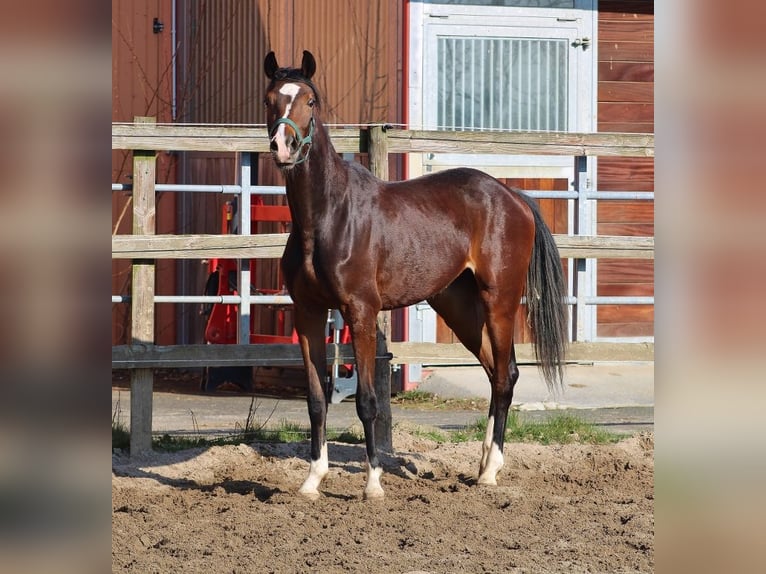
(142, 297)
(378, 153)
(582, 320)
(245, 228)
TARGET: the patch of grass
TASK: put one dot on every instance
(348, 436)
(120, 436)
(431, 433)
(422, 399)
(413, 398)
(120, 433)
(560, 428)
(285, 432)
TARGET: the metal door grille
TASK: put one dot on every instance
(502, 84)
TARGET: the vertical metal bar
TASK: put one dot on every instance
(243, 332)
(502, 81)
(548, 85)
(582, 318)
(482, 87)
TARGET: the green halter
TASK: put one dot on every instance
(306, 141)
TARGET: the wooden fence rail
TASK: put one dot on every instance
(255, 139)
(145, 139)
(271, 246)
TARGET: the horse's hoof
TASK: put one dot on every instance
(373, 494)
(487, 480)
(309, 494)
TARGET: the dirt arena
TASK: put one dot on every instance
(573, 508)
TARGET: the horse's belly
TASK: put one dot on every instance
(407, 285)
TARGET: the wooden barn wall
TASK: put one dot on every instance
(625, 104)
(141, 86)
(357, 46)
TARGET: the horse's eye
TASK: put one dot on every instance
(311, 102)
(265, 103)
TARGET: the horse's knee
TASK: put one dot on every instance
(366, 406)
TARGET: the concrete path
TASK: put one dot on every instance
(619, 396)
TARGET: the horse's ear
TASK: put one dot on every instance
(308, 65)
(270, 65)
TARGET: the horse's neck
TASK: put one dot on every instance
(312, 185)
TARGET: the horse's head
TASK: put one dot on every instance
(290, 101)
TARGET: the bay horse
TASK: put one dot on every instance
(459, 239)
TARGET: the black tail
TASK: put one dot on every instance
(546, 302)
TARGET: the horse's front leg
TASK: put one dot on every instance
(362, 323)
(310, 326)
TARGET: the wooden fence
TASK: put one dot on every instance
(143, 247)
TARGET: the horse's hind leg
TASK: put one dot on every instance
(483, 319)
(500, 307)
(462, 309)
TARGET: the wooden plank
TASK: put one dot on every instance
(625, 329)
(613, 170)
(142, 302)
(626, 92)
(188, 356)
(622, 112)
(550, 143)
(626, 229)
(620, 271)
(635, 127)
(270, 246)
(185, 137)
(626, 289)
(261, 246)
(626, 9)
(625, 51)
(625, 313)
(587, 247)
(378, 153)
(626, 72)
(446, 353)
(626, 30)
(234, 139)
(625, 212)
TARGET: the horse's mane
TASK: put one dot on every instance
(295, 75)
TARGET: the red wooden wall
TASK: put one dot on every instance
(625, 104)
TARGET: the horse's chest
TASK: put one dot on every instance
(304, 278)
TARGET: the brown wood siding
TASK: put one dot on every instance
(625, 104)
(358, 47)
(141, 86)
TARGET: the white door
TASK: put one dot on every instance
(510, 68)
(508, 65)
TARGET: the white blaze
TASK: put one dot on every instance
(290, 90)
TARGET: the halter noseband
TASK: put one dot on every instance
(303, 142)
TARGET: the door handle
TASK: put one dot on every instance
(584, 42)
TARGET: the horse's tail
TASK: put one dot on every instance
(546, 302)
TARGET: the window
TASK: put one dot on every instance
(495, 83)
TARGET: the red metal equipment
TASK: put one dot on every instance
(222, 321)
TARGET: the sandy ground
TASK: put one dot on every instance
(572, 508)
